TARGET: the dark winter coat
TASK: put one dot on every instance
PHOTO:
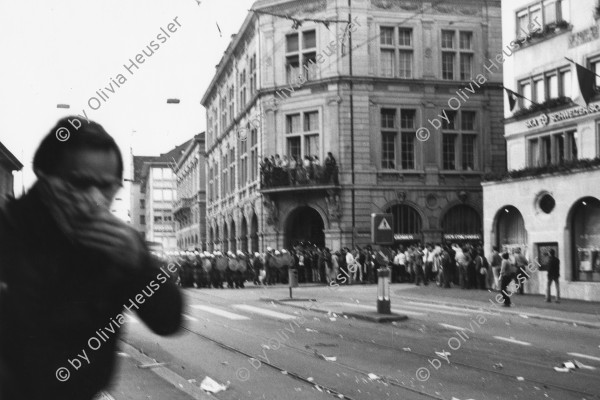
(58, 300)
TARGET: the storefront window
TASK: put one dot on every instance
(407, 223)
(461, 223)
(586, 240)
(511, 233)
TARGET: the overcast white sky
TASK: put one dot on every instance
(62, 51)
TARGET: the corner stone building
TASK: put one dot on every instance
(408, 62)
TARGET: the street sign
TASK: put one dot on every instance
(382, 231)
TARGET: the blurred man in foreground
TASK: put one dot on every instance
(69, 270)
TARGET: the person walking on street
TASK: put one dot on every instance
(520, 264)
(496, 264)
(553, 267)
(506, 276)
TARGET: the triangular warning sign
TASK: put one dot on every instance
(384, 225)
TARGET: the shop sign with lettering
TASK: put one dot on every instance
(546, 119)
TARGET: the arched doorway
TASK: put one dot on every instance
(232, 240)
(510, 230)
(585, 239)
(407, 224)
(304, 224)
(461, 223)
(254, 233)
(244, 235)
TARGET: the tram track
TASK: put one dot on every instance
(422, 356)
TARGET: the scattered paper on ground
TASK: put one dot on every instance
(210, 385)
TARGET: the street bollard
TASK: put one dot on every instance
(292, 279)
(383, 291)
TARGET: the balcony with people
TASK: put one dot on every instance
(292, 173)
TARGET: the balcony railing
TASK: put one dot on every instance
(314, 175)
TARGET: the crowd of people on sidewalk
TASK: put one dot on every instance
(446, 266)
(290, 171)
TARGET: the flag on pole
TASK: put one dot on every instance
(587, 81)
(512, 98)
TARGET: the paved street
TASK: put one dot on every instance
(453, 346)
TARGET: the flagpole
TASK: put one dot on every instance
(521, 96)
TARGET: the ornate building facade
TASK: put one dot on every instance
(402, 93)
(551, 197)
(189, 209)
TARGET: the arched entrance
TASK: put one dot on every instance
(254, 233)
(585, 239)
(461, 223)
(244, 235)
(510, 230)
(304, 224)
(407, 224)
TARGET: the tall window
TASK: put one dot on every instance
(224, 117)
(396, 52)
(543, 13)
(242, 86)
(232, 170)
(301, 52)
(459, 141)
(302, 134)
(253, 82)
(594, 64)
(525, 89)
(461, 52)
(551, 84)
(554, 148)
(398, 142)
(254, 154)
(243, 168)
(388, 138)
(231, 104)
(224, 181)
(210, 184)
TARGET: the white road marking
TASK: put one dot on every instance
(432, 307)
(434, 310)
(584, 356)
(372, 308)
(268, 313)
(219, 312)
(511, 340)
(190, 318)
(452, 327)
